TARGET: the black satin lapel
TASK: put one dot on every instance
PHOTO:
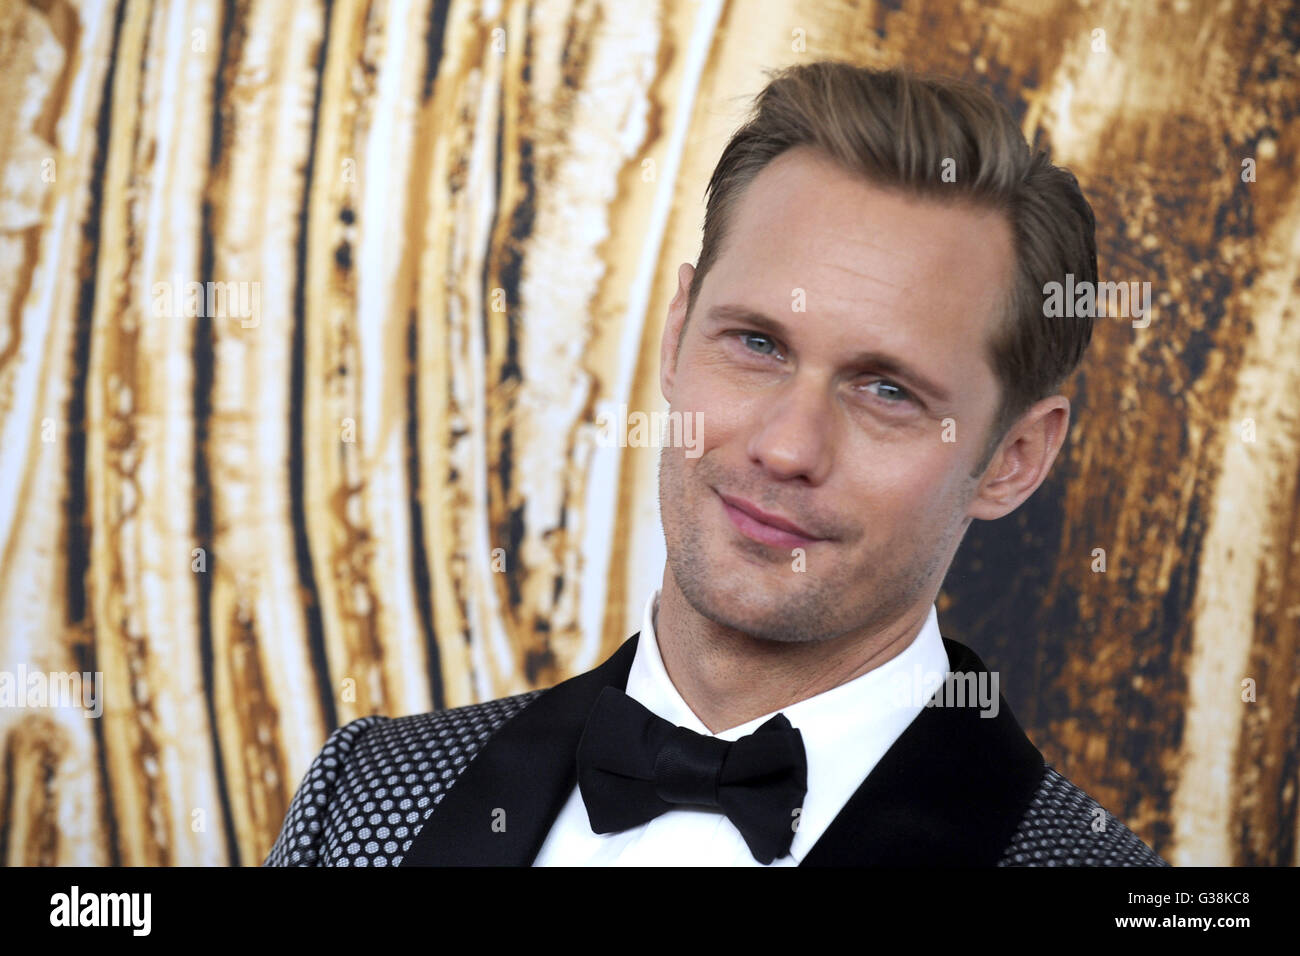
(949, 792)
(520, 779)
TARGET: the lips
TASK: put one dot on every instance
(758, 525)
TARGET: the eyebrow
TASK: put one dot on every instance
(882, 361)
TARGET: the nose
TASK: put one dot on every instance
(794, 435)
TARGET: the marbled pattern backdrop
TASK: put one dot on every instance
(365, 476)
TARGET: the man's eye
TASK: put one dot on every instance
(892, 393)
(766, 345)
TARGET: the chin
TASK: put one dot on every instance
(771, 605)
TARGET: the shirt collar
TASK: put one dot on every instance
(876, 691)
(846, 730)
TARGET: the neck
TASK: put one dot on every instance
(728, 677)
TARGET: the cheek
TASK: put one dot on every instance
(903, 489)
(721, 413)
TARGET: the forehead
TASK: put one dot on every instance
(871, 259)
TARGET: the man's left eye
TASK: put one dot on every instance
(893, 393)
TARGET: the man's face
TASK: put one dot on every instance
(837, 356)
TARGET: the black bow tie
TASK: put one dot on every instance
(634, 765)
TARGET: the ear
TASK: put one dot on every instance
(673, 330)
(1023, 459)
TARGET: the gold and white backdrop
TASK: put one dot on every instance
(360, 472)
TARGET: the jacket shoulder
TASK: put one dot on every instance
(377, 779)
(1063, 826)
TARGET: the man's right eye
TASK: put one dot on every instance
(751, 337)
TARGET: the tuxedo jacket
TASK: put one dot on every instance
(481, 785)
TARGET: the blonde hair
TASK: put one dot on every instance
(949, 140)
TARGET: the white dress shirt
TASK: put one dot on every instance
(846, 730)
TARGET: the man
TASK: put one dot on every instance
(864, 341)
